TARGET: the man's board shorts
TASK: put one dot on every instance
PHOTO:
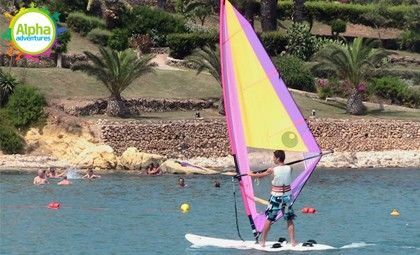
(277, 204)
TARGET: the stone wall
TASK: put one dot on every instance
(195, 138)
(135, 106)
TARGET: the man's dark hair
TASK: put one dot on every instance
(279, 154)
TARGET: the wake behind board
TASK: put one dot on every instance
(202, 241)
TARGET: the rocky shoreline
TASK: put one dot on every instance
(216, 165)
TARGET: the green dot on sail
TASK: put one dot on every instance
(289, 139)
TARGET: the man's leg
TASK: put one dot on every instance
(291, 230)
(267, 225)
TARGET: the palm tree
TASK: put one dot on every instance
(116, 70)
(208, 59)
(354, 63)
(7, 84)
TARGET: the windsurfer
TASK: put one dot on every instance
(281, 196)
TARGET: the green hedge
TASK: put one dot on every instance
(392, 88)
(157, 23)
(99, 36)
(10, 141)
(119, 39)
(295, 73)
(274, 42)
(182, 45)
(25, 106)
(354, 13)
(83, 24)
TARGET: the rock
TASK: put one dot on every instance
(171, 166)
(131, 159)
(101, 156)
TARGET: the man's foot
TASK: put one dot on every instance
(262, 244)
(293, 243)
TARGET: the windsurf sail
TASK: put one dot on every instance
(261, 114)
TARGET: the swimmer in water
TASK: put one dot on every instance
(181, 182)
(154, 169)
(40, 178)
(53, 174)
(65, 181)
(90, 175)
(217, 184)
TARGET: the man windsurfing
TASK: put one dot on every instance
(281, 196)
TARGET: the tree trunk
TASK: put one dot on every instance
(250, 11)
(161, 4)
(298, 10)
(269, 15)
(355, 104)
(59, 60)
(221, 107)
(116, 107)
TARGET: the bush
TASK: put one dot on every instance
(83, 24)
(25, 106)
(388, 87)
(99, 36)
(295, 74)
(141, 42)
(183, 44)
(338, 26)
(7, 84)
(119, 39)
(300, 42)
(355, 13)
(10, 141)
(156, 23)
(62, 41)
(274, 42)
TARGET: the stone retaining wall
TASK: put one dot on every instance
(135, 106)
(195, 138)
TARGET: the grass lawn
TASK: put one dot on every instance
(64, 83)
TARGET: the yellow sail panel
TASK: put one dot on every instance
(265, 120)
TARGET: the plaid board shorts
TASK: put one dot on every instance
(277, 204)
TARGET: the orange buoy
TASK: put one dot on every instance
(54, 205)
(310, 210)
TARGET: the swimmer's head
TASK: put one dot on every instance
(65, 177)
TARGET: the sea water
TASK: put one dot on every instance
(131, 214)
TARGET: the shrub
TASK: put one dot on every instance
(25, 106)
(300, 42)
(99, 36)
(338, 26)
(355, 13)
(183, 44)
(7, 84)
(119, 39)
(10, 141)
(156, 23)
(274, 42)
(389, 87)
(295, 74)
(62, 41)
(83, 24)
(141, 42)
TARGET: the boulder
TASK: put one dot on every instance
(174, 167)
(131, 159)
(101, 156)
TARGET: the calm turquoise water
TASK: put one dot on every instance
(127, 214)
